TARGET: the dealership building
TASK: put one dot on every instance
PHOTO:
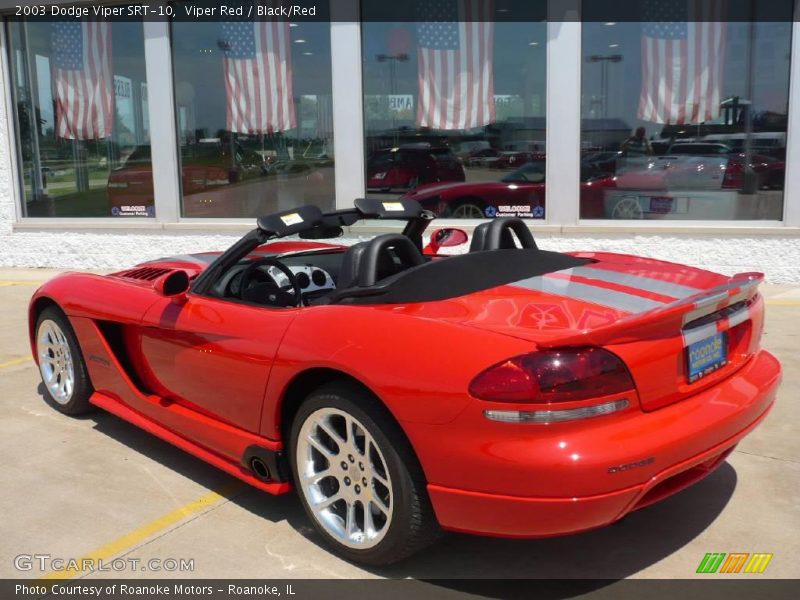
(130, 139)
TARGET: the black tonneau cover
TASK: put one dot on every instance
(454, 276)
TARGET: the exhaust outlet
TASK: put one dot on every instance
(260, 469)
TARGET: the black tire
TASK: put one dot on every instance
(471, 207)
(78, 401)
(413, 524)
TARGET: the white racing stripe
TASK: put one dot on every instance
(198, 260)
(740, 316)
(691, 336)
(641, 282)
(704, 306)
(696, 334)
(589, 293)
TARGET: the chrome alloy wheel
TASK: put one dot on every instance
(344, 478)
(55, 361)
(627, 208)
(468, 211)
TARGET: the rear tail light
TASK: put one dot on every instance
(734, 176)
(553, 376)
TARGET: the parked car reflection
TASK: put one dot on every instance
(521, 193)
(222, 179)
(410, 165)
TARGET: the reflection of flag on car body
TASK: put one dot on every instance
(258, 76)
(84, 93)
(683, 53)
(456, 84)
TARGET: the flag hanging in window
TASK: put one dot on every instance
(84, 92)
(455, 50)
(258, 76)
(683, 55)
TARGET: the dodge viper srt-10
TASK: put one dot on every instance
(506, 391)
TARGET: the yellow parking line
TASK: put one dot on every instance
(15, 361)
(8, 283)
(131, 539)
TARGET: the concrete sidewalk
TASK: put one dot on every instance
(98, 487)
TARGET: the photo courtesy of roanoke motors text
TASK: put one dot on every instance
(430, 298)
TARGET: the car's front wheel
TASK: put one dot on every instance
(357, 477)
(66, 382)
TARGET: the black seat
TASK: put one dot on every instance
(366, 263)
(498, 234)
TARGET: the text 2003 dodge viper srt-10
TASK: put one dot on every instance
(506, 391)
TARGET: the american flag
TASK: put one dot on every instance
(324, 116)
(258, 76)
(84, 92)
(456, 82)
(683, 53)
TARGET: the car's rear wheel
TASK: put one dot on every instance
(627, 208)
(66, 382)
(467, 209)
(357, 478)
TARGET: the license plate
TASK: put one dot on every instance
(706, 356)
(661, 205)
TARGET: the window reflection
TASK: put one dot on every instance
(453, 106)
(685, 119)
(80, 93)
(254, 112)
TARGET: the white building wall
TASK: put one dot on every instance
(777, 256)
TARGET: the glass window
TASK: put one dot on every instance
(80, 96)
(255, 121)
(454, 108)
(684, 119)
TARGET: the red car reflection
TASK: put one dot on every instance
(521, 193)
(411, 165)
(514, 159)
(130, 187)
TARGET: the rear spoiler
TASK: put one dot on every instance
(741, 287)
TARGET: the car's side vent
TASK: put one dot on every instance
(143, 273)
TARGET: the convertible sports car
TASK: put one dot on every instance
(506, 391)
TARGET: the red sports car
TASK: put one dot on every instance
(507, 391)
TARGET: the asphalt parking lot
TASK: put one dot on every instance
(101, 488)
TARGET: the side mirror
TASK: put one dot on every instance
(446, 237)
(173, 284)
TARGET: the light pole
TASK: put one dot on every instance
(604, 60)
(393, 59)
(233, 175)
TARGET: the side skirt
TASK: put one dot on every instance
(124, 412)
(220, 444)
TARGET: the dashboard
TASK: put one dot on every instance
(309, 278)
(314, 280)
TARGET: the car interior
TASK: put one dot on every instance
(389, 267)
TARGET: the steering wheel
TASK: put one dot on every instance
(281, 292)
